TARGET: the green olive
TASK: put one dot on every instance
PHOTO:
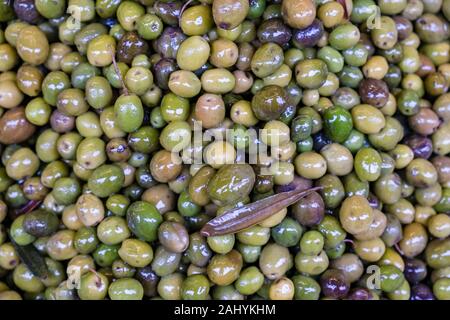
(193, 53)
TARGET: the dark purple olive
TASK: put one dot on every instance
(415, 270)
(309, 36)
(169, 12)
(374, 92)
(374, 202)
(26, 11)
(320, 140)
(129, 46)
(61, 122)
(333, 284)
(168, 43)
(203, 68)
(404, 27)
(360, 294)
(310, 210)
(109, 22)
(149, 280)
(274, 30)
(299, 183)
(422, 147)
(162, 70)
(421, 292)
(147, 115)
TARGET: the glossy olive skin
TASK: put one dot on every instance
(231, 183)
(32, 45)
(338, 123)
(169, 42)
(143, 220)
(40, 223)
(228, 14)
(26, 11)
(129, 46)
(14, 126)
(309, 36)
(99, 106)
(310, 210)
(273, 30)
(106, 180)
(162, 70)
(269, 103)
(374, 92)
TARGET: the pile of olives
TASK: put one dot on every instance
(98, 101)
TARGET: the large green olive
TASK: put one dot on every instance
(267, 59)
(228, 14)
(106, 180)
(32, 45)
(269, 103)
(143, 220)
(231, 183)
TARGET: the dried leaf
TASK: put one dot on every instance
(238, 219)
(28, 207)
(33, 260)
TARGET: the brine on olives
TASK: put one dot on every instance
(224, 149)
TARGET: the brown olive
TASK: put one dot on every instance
(246, 51)
(61, 122)
(442, 165)
(414, 240)
(161, 197)
(309, 211)
(426, 66)
(117, 150)
(173, 236)
(14, 126)
(425, 122)
(225, 269)
(129, 46)
(374, 92)
(165, 166)
(210, 110)
(350, 265)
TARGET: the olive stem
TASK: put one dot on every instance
(396, 246)
(98, 280)
(28, 207)
(182, 10)
(116, 68)
(349, 241)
